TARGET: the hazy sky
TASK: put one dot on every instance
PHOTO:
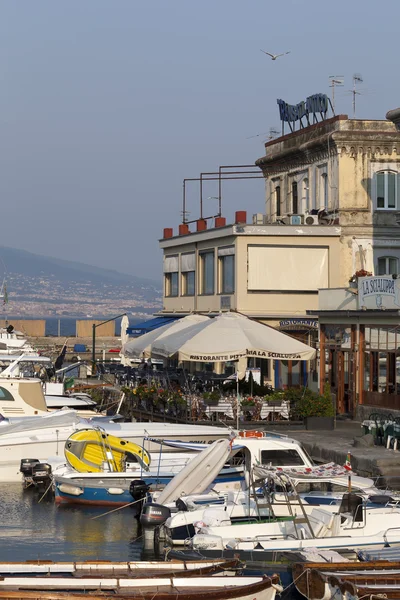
(106, 105)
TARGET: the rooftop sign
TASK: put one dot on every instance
(318, 104)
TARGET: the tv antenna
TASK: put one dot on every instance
(357, 78)
(335, 80)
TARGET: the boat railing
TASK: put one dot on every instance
(386, 532)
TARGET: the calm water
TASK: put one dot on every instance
(29, 530)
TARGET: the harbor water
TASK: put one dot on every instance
(33, 530)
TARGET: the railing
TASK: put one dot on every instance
(382, 399)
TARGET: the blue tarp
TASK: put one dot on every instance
(150, 325)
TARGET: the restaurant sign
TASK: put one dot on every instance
(378, 292)
(298, 324)
(314, 105)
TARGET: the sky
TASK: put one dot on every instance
(107, 105)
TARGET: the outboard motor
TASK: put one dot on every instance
(138, 489)
(152, 518)
(26, 466)
(41, 475)
(154, 515)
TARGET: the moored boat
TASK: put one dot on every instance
(193, 588)
(97, 569)
(348, 580)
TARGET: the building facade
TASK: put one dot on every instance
(332, 208)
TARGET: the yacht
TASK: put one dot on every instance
(42, 437)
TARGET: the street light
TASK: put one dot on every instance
(94, 326)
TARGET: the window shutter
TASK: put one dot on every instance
(171, 264)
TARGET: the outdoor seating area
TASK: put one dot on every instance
(384, 428)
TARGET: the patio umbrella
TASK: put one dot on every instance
(230, 336)
(142, 346)
(124, 327)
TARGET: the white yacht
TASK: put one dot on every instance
(45, 436)
(21, 368)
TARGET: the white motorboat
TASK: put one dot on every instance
(88, 488)
(353, 526)
(45, 436)
(29, 400)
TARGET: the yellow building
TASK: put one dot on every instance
(332, 208)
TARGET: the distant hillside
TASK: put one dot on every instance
(43, 285)
(27, 263)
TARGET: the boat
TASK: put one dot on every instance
(345, 580)
(94, 451)
(23, 394)
(353, 525)
(43, 437)
(167, 568)
(195, 588)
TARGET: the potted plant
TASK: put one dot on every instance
(317, 411)
(248, 403)
(211, 398)
(353, 281)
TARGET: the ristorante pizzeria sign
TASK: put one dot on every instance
(317, 104)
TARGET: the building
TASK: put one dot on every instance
(360, 344)
(332, 208)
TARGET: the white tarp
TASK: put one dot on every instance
(142, 346)
(287, 268)
(230, 337)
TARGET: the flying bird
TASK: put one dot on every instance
(275, 56)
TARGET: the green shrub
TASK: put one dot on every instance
(314, 405)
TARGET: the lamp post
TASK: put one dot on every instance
(94, 326)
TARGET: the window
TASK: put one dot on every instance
(278, 200)
(5, 394)
(226, 265)
(323, 197)
(306, 195)
(386, 190)
(171, 275)
(188, 270)
(295, 198)
(388, 265)
(188, 283)
(171, 284)
(207, 272)
(281, 458)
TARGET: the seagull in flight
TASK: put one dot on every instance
(275, 56)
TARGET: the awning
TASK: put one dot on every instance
(150, 325)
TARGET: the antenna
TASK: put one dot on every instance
(335, 80)
(357, 78)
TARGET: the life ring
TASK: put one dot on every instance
(251, 433)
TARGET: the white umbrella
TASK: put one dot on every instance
(124, 327)
(142, 346)
(231, 336)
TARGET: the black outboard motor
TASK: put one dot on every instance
(152, 518)
(41, 476)
(154, 515)
(26, 466)
(138, 489)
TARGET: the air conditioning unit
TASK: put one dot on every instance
(295, 219)
(260, 219)
(311, 220)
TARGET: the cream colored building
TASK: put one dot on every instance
(332, 208)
